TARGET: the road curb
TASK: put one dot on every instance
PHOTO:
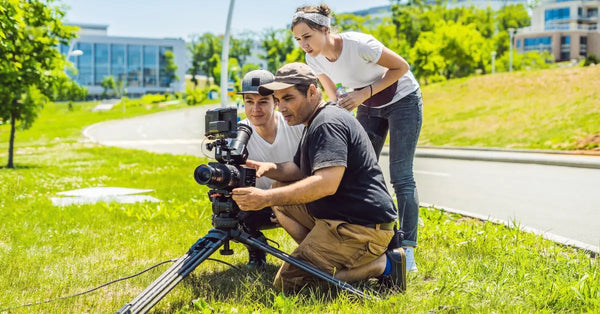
(541, 157)
(594, 250)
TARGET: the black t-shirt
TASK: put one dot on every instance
(335, 138)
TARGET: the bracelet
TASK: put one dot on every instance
(371, 87)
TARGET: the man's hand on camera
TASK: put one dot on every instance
(260, 167)
(251, 198)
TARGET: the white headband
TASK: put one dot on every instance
(315, 17)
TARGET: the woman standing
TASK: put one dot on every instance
(386, 93)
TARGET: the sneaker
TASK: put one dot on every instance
(411, 265)
(257, 258)
(397, 278)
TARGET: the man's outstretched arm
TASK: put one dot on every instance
(323, 182)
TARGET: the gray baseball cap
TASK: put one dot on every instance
(253, 79)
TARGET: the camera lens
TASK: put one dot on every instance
(203, 174)
(217, 176)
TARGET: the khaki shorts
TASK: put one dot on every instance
(331, 245)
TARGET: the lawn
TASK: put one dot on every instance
(46, 252)
(541, 109)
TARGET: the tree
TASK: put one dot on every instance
(296, 55)
(170, 70)
(108, 83)
(205, 50)
(249, 67)
(451, 50)
(278, 44)
(510, 16)
(69, 90)
(240, 47)
(31, 67)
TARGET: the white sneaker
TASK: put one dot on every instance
(411, 266)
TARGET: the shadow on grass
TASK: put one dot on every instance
(19, 167)
(254, 288)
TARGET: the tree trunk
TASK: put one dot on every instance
(11, 142)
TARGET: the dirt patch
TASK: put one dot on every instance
(590, 143)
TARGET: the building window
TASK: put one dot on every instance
(117, 62)
(134, 65)
(162, 63)
(85, 65)
(538, 43)
(150, 65)
(101, 69)
(64, 49)
(556, 19)
(583, 46)
(565, 47)
(518, 43)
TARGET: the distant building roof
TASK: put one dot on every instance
(91, 29)
(373, 10)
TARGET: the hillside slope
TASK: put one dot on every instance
(544, 109)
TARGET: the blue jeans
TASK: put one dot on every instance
(403, 119)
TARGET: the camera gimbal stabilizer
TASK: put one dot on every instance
(222, 177)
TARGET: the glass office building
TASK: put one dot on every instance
(568, 29)
(138, 62)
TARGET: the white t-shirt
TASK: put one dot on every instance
(357, 65)
(282, 149)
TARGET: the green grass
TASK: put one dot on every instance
(542, 109)
(465, 265)
(57, 124)
(47, 252)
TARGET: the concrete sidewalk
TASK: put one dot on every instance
(542, 157)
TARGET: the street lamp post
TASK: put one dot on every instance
(72, 53)
(225, 57)
(493, 62)
(75, 53)
(511, 32)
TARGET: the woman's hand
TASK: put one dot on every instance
(351, 100)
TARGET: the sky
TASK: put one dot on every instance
(182, 18)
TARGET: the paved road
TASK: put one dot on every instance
(561, 202)
(175, 132)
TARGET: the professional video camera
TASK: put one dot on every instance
(230, 140)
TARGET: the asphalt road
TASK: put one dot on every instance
(562, 203)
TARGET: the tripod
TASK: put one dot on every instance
(226, 228)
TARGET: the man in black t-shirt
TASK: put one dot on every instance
(337, 208)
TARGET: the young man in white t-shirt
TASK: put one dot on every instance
(272, 140)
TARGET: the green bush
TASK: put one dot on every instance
(591, 59)
(195, 96)
(151, 99)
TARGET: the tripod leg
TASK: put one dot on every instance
(249, 240)
(197, 253)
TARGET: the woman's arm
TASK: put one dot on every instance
(396, 68)
(328, 86)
